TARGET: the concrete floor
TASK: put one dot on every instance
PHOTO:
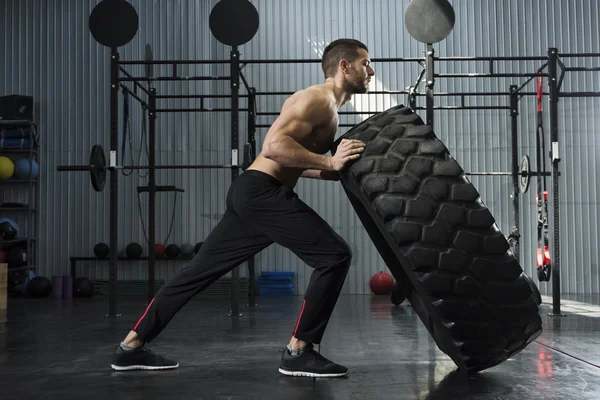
(62, 349)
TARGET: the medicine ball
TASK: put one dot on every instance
(3, 256)
(382, 283)
(197, 247)
(17, 257)
(82, 287)
(39, 287)
(186, 250)
(159, 249)
(7, 231)
(7, 168)
(101, 250)
(12, 222)
(133, 250)
(172, 251)
(24, 166)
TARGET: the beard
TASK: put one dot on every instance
(357, 85)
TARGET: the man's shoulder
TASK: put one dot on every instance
(315, 95)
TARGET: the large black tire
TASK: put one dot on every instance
(440, 241)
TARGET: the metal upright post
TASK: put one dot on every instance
(114, 187)
(429, 66)
(151, 193)
(252, 141)
(514, 114)
(235, 117)
(554, 98)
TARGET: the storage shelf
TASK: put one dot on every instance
(16, 122)
(25, 190)
(17, 181)
(4, 244)
(18, 151)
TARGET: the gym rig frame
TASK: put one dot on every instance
(552, 61)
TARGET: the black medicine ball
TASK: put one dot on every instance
(7, 231)
(172, 251)
(101, 250)
(133, 250)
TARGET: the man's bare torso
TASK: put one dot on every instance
(319, 141)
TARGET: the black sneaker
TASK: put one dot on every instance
(140, 358)
(311, 364)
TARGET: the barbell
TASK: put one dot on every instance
(97, 166)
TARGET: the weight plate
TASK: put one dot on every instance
(525, 174)
(98, 168)
(234, 22)
(113, 23)
(429, 21)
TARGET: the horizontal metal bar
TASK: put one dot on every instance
(467, 108)
(533, 58)
(142, 167)
(581, 69)
(171, 62)
(315, 61)
(575, 55)
(168, 110)
(73, 168)
(177, 78)
(488, 75)
(339, 113)
(13, 122)
(198, 96)
(84, 168)
(339, 126)
(437, 94)
(579, 94)
(531, 173)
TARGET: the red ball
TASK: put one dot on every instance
(3, 256)
(159, 249)
(382, 283)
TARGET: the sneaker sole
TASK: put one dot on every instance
(142, 367)
(311, 374)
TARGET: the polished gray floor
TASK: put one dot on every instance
(55, 349)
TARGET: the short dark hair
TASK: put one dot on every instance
(337, 50)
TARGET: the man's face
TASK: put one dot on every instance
(359, 73)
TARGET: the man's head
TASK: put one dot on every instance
(349, 60)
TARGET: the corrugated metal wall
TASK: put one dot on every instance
(49, 54)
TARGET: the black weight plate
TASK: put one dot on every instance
(98, 168)
(429, 21)
(525, 174)
(113, 23)
(440, 241)
(234, 22)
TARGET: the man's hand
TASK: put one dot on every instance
(346, 151)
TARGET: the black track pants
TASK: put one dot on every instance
(260, 211)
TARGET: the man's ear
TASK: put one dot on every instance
(345, 66)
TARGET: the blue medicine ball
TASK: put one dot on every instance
(10, 221)
(22, 168)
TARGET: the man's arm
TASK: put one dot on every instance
(321, 174)
(295, 124)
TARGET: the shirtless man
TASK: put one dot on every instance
(262, 208)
